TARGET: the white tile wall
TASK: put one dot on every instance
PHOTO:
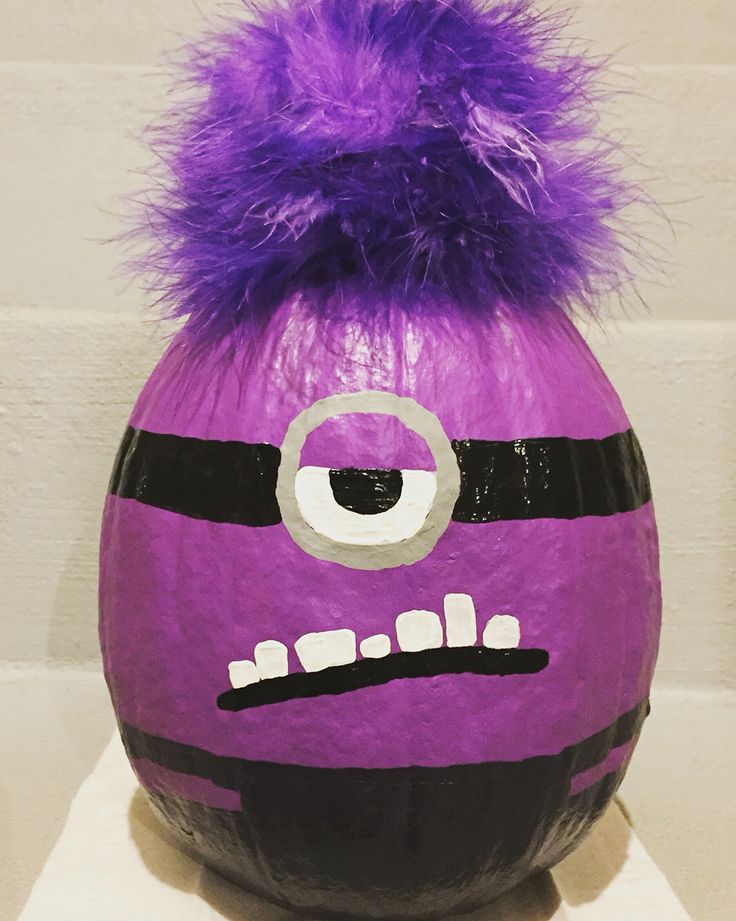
(680, 32)
(137, 31)
(101, 31)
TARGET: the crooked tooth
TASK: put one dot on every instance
(272, 659)
(502, 632)
(375, 647)
(242, 673)
(460, 624)
(323, 650)
(418, 630)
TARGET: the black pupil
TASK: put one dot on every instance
(366, 492)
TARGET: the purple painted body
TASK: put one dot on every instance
(181, 598)
(376, 217)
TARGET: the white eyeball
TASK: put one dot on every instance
(325, 514)
(339, 516)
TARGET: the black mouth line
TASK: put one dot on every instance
(340, 679)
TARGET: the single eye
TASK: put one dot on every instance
(365, 507)
(367, 518)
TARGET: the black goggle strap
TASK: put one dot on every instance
(234, 482)
(228, 772)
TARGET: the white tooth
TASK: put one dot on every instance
(502, 632)
(460, 622)
(272, 659)
(375, 647)
(242, 673)
(323, 650)
(417, 630)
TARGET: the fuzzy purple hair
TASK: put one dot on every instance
(409, 152)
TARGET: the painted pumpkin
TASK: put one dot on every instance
(379, 584)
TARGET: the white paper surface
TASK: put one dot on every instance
(114, 861)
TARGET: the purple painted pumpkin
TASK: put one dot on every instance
(379, 596)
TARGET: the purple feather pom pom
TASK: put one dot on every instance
(412, 152)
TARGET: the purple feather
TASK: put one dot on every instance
(419, 153)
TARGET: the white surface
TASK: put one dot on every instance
(679, 789)
(53, 723)
(113, 861)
